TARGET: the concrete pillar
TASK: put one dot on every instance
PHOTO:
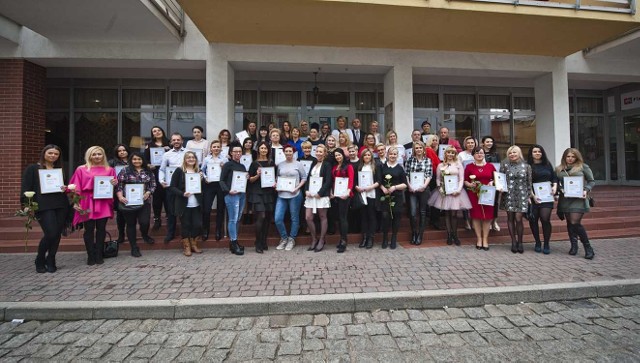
(552, 112)
(220, 94)
(398, 101)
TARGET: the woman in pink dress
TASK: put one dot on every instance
(454, 201)
(481, 215)
(93, 213)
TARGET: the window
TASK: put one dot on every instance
(96, 98)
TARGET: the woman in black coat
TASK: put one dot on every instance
(188, 206)
(317, 197)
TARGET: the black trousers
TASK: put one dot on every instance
(368, 218)
(213, 191)
(342, 206)
(191, 222)
(52, 223)
(141, 216)
(158, 199)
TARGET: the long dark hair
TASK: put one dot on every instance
(145, 166)
(493, 148)
(544, 160)
(344, 164)
(165, 139)
(268, 145)
(115, 151)
(42, 162)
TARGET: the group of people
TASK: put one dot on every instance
(316, 177)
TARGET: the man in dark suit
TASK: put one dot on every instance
(355, 134)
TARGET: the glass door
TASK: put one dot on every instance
(632, 148)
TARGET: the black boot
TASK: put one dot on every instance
(520, 247)
(456, 241)
(369, 244)
(99, 250)
(588, 250)
(449, 238)
(258, 245)
(574, 247)
(205, 233)
(235, 248)
(135, 251)
(538, 247)
(218, 234)
(514, 246)
(91, 254)
(385, 242)
(394, 241)
(363, 243)
(156, 224)
(40, 265)
(342, 246)
(51, 263)
(546, 249)
(423, 223)
(414, 237)
(414, 233)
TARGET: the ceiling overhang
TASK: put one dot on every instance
(407, 24)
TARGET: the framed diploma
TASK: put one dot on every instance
(441, 149)
(198, 153)
(168, 173)
(500, 181)
(278, 156)
(315, 183)
(451, 184)
(134, 194)
(242, 135)
(286, 184)
(213, 172)
(267, 177)
(341, 187)
(246, 160)
(102, 188)
(487, 195)
(543, 191)
(51, 180)
(239, 181)
(119, 169)
(156, 155)
(306, 164)
(192, 183)
(573, 186)
(416, 180)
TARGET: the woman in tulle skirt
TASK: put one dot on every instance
(453, 201)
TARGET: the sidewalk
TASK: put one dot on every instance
(359, 278)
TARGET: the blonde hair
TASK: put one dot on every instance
(184, 162)
(389, 134)
(464, 142)
(306, 144)
(518, 151)
(446, 151)
(91, 150)
(334, 140)
(430, 139)
(346, 137)
(577, 166)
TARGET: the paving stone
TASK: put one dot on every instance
(117, 354)
(555, 306)
(25, 350)
(201, 338)
(88, 340)
(399, 329)
(265, 351)
(107, 327)
(166, 354)
(232, 323)
(436, 314)
(245, 323)
(540, 321)
(95, 351)
(312, 332)
(452, 340)
(300, 320)
(146, 351)
(190, 354)
(476, 313)
(519, 320)
(513, 334)
(574, 329)
(18, 340)
(38, 339)
(537, 333)
(428, 340)
(112, 338)
(358, 329)
(377, 329)
(362, 318)
(455, 313)
(290, 348)
(441, 326)
(321, 320)
(480, 326)
(380, 316)
(474, 339)
(215, 355)
(420, 327)
(72, 326)
(336, 332)
(291, 334)
(384, 342)
(312, 344)
(499, 322)
(399, 315)
(223, 340)
(494, 338)
(341, 319)
(337, 346)
(408, 344)
(177, 340)
(155, 338)
(67, 355)
(132, 339)
(270, 336)
(493, 310)
(460, 325)
(360, 344)
(206, 324)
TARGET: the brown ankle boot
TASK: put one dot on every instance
(194, 244)
(186, 247)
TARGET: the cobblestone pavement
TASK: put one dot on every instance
(601, 329)
(217, 273)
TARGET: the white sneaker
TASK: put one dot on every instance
(290, 244)
(282, 244)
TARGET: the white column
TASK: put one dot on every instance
(398, 92)
(220, 94)
(552, 112)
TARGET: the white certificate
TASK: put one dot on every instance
(424, 139)
(246, 160)
(213, 172)
(451, 184)
(341, 187)
(417, 180)
(279, 156)
(198, 153)
(306, 164)
(365, 179)
(242, 135)
(441, 149)
(496, 166)
(267, 177)
(286, 184)
(192, 183)
(543, 191)
(408, 153)
(315, 183)
(156, 155)
(466, 162)
(168, 173)
(487, 195)
(134, 194)
(102, 187)
(573, 186)
(500, 181)
(239, 181)
(119, 169)
(224, 152)
(51, 180)
(313, 150)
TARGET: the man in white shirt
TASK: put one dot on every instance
(171, 159)
(355, 134)
(341, 124)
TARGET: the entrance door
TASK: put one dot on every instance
(328, 116)
(632, 148)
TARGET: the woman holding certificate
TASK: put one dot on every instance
(186, 185)
(545, 183)
(491, 156)
(393, 184)
(476, 175)
(576, 181)
(94, 183)
(342, 174)
(449, 196)
(515, 200)
(392, 141)
(233, 182)
(367, 182)
(419, 173)
(317, 190)
(153, 152)
(120, 161)
(136, 184)
(46, 181)
(212, 168)
(261, 194)
(291, 177)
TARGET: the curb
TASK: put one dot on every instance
(313, 304)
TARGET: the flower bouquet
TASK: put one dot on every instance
(389, 199)
(28, 210)
(75, 198)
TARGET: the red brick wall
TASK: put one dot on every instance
(22, 122)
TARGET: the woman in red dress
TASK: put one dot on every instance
(481, 215)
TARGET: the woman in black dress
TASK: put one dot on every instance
(53, 208)
(393, 184)
(541, 172)
(120, 159)
(158, 140)
(262, 200)
(491, 156)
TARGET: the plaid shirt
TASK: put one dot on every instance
(129, 175)
(413, 165)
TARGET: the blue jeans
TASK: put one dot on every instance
(235, 205)
(293, 206)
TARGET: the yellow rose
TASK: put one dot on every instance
(29, 194)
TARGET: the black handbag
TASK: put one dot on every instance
(592, 202)
(128, 208)
(111, 247)
(528, 215)
(357, 201)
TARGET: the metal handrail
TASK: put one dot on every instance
(624, 6)
(173, 12)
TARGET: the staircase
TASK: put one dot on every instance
(615, 215)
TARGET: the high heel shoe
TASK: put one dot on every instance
(342, 246)
(478, 247)
(514, 247)
(520, 247)
(319, 246)
(313, 246)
